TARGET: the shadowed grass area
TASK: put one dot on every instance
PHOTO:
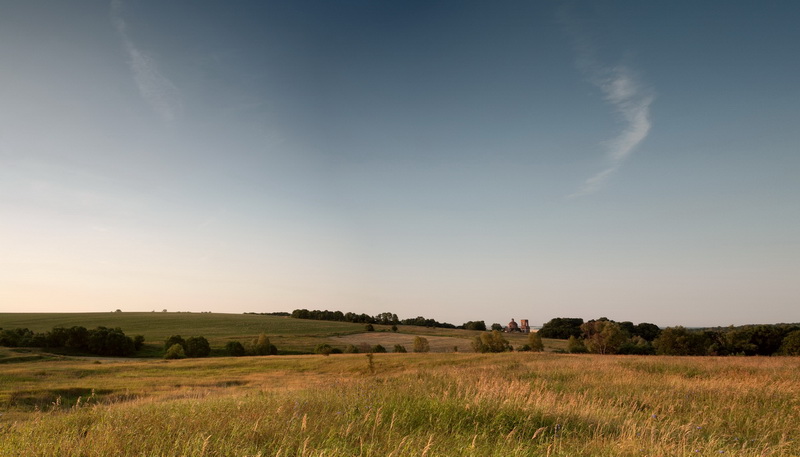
(406, 405)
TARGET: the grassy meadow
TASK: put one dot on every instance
(291, 336)
(435, 404)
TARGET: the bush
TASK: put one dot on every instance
(173, 340)
(491, 342)
(324, 349)
(197, 346)
(399, 348)
(262, 346)
(369, 328)
(138, 341)
(351, 349)
(576, 346)
(175, 352)
(421, 344)
(378, 349)
(235, 349)
(535, 342)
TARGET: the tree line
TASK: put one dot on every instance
(605, 336)
(382, 318)
(99, 341)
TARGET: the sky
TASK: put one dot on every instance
(454, 160)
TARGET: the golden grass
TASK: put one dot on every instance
(409, 405)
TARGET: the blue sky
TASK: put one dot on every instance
(456, 160)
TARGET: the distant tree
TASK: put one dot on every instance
(324, 349)
(175, 339)
(378, 349)
(680, 341)
(637, 346)
(647, 331)
(561, 328)
(475, 325)
(394, 328)
(364, 348)
(535, 342)
(197, 346)
(497, 327)
(351, 349)
(524, 348)
(138, 341)
(421, 344)
(491, 342)
(262, 346)
(175, 352)
(235, 349)
(576, 346)
(399, 348)
(791, 343)
(110, 342)
(603, 336)
(369, 328)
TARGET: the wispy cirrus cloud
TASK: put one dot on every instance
(157, 90)
(629, 98)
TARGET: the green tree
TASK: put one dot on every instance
(791, 343)
(421, 344)
(235, 349)
(491, 342)
(535, 342)
(497, 326)
(399, 348)
(378, 349)
(262, 346)
(603, 336)
(475, 325)
(576, 346)
(197, 346)
(562, 328)
(324, 349)
(175, 352)
(174, 339)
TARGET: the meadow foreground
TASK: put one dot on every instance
(512, 404)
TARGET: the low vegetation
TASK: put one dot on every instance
(509, 404)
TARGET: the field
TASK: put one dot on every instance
(291, 336)
(436, 404)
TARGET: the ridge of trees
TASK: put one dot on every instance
(382, 318)
(99, 341)
(605, 336)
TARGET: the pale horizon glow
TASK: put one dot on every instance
(478, 161)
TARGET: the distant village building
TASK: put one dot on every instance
(522, 327)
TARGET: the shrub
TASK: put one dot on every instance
(262, 346)
(576, 346)
(351, 349)
(421, 344)
(138, 341)
(491, 342)
(235, 349)
(197, 346)
(369, 328)
(399, 348)
(324, 349)
(175, 352)
(535, 342)
(173, 340)
(378, 349)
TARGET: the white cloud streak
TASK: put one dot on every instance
(155, 88)
(625, 94)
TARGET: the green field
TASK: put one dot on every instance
(291, 336)
(436, 404)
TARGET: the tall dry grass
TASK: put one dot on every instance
(440, 405)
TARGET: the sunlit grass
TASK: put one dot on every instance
(410, 405)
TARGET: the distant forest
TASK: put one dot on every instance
(604, 336)
(382, 318)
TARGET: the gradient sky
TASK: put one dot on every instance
(456, 160)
